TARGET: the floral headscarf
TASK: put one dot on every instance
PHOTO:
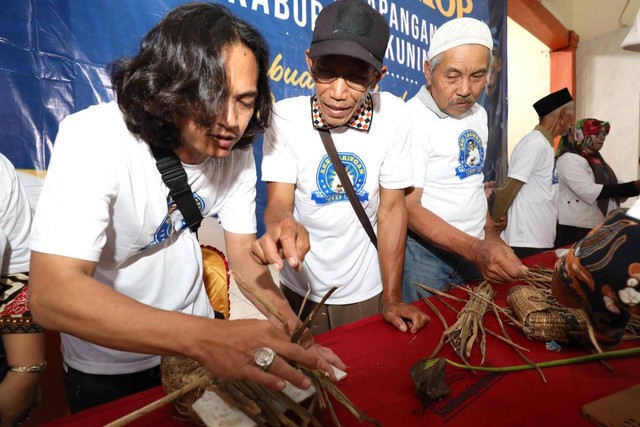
(581, 135)
(579, 140)
(585, 130)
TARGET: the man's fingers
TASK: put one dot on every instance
(280, 371)
(257, 253)
(397, 314)
(289, 250)
(328, 355)
(418, 319)
(266, 252)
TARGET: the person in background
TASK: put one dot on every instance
(589, 188)
(23, 340)
(451, 237)
(530, 194)
(304, 194)
(115, 267)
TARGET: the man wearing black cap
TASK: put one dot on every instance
(371, 137)
(531, 191)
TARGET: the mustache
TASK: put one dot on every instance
(460, 99)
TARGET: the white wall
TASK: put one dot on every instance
(591, 18)
(528, 80)
(608, 87)
(607, 77)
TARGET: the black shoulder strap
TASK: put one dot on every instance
(175, 178)
(327, 141)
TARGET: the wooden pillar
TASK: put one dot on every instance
(563, 66)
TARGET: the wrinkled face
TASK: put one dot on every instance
(200, 142)
(458, 80)
(341, 83)
(566, 120)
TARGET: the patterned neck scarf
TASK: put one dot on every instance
(579, 140)
(361, 120)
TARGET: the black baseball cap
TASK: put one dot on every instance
(351, 28)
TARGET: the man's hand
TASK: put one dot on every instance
(286, 240)
(402, 315)
(497, 262)
(227, 349)
(307, 342)
(500, 225)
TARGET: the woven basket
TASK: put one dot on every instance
(544, 318)
(179, 371)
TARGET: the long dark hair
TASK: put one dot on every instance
(180, 70)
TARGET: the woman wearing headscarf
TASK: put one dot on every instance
(588, 186)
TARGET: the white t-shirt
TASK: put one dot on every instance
(341, 252)
(104, 201)
(577, 203)
(448, 156)
(15, 221)
(532, 215)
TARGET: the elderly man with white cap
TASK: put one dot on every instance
(451, 239)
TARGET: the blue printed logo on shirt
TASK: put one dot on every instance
(471, 156)
(329, 186)
(173, 222)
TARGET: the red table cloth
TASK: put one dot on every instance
(379, 357)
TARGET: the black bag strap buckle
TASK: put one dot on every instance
(175, 178)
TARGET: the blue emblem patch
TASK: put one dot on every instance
(329, 185)
(471, 157)
(173, 222)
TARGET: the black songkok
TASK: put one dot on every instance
(552, 101)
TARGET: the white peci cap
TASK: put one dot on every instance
(458, 32)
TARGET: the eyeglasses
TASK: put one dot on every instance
(358, 83)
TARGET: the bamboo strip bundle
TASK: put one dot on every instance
(539, 277)
(463, 334)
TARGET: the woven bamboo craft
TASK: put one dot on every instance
(544, 319)
(179, 371)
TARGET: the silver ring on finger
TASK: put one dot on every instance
(264, 357)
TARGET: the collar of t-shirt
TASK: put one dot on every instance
(425, 97)
(361, 120)
(545, 132)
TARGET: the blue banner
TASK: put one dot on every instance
(54, 56)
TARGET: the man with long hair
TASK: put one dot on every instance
(115, 268)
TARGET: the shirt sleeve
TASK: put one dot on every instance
(278, 158)
(418, 152)
(575, 173)
(397, 167)
(73, 209)
(525, 157)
